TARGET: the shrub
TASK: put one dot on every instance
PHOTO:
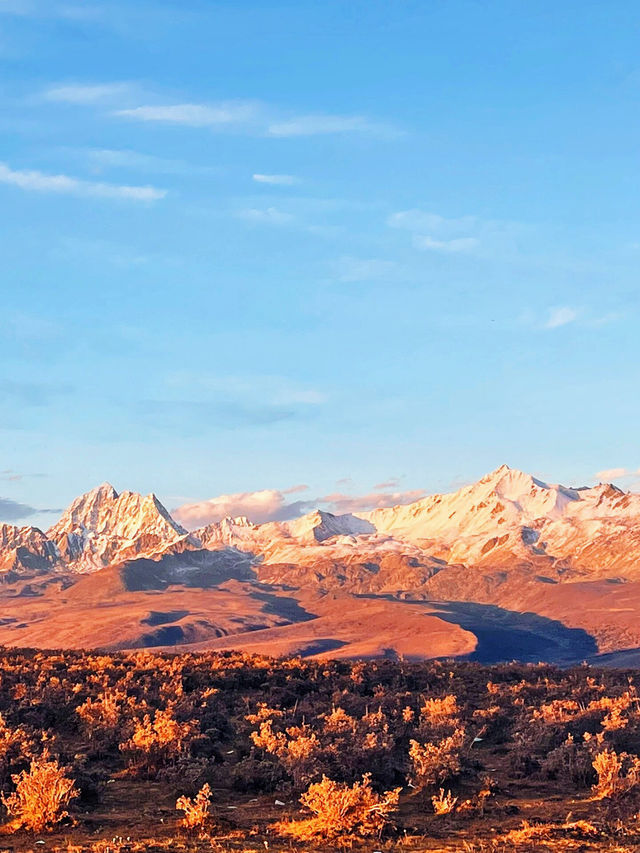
(433, 763)
(618, 774)
(197, 810)
(444, 803)
(41, 797)
(341, 811)
(155, 743)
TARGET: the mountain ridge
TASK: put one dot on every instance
(506, 545)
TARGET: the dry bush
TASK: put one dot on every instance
(557, 711)
(341, 811)
(41, 797)
(15, 747)
(102, 717)
(437, 711)
(297, 748)
(434, 763)
(158, 742)
(444, 803)
(197, 810)
(338, 744)
(618, 774)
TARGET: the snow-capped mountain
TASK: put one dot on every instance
(506, 518)
(25, 549)
(103, 527)
(510, 542)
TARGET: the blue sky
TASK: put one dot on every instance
(367, 247)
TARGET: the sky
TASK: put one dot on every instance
(272, 255)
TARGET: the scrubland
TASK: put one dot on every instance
(143, 751)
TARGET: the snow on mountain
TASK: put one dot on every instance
(511, 516)
(319, 526)
(103, 527)
(505, 519)
(25, 549)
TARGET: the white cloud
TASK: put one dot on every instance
(454, 246)
(560, 316)
(268, 216)
(274, 505)
(40, 182)
(318, 125)
(259, 507)
(282, 180)
(80, 94)
(610, 474)
(421, 221)
(459, 235)
(341, 503)
(103, 158)
(195, 115)
(249, 112)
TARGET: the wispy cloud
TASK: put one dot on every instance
(11, 476)
(341, 503)
(610, 474)
(457, 235)
(251, 116)
(88, 94)
(562, 315)
(391, 483)
(195, 115)
(13, 511)
(322, 125)
(458, 244)
(106, 158)
(35, 181)
(276, 180)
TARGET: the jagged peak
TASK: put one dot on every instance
(104, 490)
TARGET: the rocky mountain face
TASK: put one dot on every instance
(509, 541)
(103, 527)
(507, 518)
(25, 550)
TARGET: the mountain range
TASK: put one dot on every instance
(509, 567)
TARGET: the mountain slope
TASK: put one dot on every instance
(556, 569)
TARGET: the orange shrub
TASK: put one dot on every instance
(155, 743)
(197, 810)
(433, 763)
(41, 797)
(341, 811)
(618, 774)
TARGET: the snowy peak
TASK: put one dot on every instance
(25, 549)
(227, 531)
(102, 527)
(319, 526)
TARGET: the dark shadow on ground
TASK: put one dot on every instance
(506, 635)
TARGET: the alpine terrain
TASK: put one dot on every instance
(507, 568)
